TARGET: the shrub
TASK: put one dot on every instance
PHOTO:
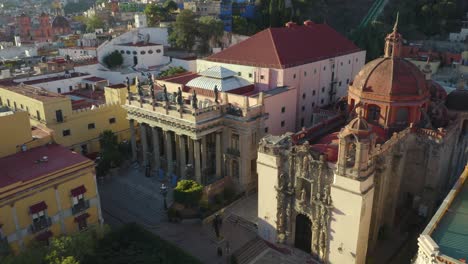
(188, 192)
(113, 59)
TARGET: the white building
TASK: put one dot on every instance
(140, 21)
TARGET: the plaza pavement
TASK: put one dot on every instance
(128, 196)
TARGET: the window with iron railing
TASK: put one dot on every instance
(40, 222)
(79, 204)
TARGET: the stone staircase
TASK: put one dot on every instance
(247, 253)
(237, 220)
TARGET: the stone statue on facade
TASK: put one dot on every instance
(303, 195)
(127, 83)
(282, 181)
(140, 89)
(216, 94)
(165, 93)
(194, 100)
(179, 97)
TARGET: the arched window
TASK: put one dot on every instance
(350, 154)
(135, 53)
(150, 51)
(128, 52)
(142, 52)
(158, 51)
(373, 113)
(402, 116)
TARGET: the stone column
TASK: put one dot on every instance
(144, 143)
(170, 165)
(190, 150)
(156, 151)
(133, 139)
(218, 155)
(204, 157)
(182, 155)
(177, 152)
(197, 166)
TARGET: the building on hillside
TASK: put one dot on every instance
(445, 238)
(42, 28)
(46, 191)
(313, 58)
(76, 118)
(77, 52)
(219, 9)
(337, 193)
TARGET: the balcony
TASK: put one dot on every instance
(233, 151)
(42, 224)
(80, 207)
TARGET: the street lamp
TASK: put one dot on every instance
(163, 189)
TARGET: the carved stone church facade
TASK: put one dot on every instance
(398, 155)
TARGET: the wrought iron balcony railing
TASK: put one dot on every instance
(40, 225)
(80, 207)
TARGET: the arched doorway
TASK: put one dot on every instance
(303, 236)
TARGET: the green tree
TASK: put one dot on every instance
(184, 30)
(111, 156)
(188, 192)
(93, 23)
(210, 31)
(155, 14)
(113, 59)
(170, 6)
(243, 26)
(171, 71)
(71, 249)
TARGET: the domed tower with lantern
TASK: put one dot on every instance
(392, 91)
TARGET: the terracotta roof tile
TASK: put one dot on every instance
(287, 47)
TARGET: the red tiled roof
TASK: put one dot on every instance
(94, 79)
(182, 78)
(26, 166)
(287, 47)
(117, 85)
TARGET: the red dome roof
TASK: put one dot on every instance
(390, 77)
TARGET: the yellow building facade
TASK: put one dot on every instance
(77, 128)
(46, 191)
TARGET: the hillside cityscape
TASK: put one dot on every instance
(233, 131)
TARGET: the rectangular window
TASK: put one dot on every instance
(59, 90)
(70, 88)
(305, 74)
(21, 105)
(59, 116)
(262, 77)
(283, 109)
(15, 105)
(82, 224)
(250, 75)
(66, 132)
(112, 120)
(282, 123)
(294, 76)
(91, 126)
(303, 108)
(235, 141)
(266, 130)
(302, 122)
(78, 199)
(38, 115)
(8, 102)
(239, 74)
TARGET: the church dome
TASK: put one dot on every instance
(457, 100)
(389, 77)
(60, 22)
(358, 124)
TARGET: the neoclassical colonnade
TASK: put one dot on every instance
(172, 151)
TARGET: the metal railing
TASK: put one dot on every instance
(40, 225)
(80, 207)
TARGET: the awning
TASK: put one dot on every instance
(44, 235)
(81, 217)
(37, 207)
(78, 190)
